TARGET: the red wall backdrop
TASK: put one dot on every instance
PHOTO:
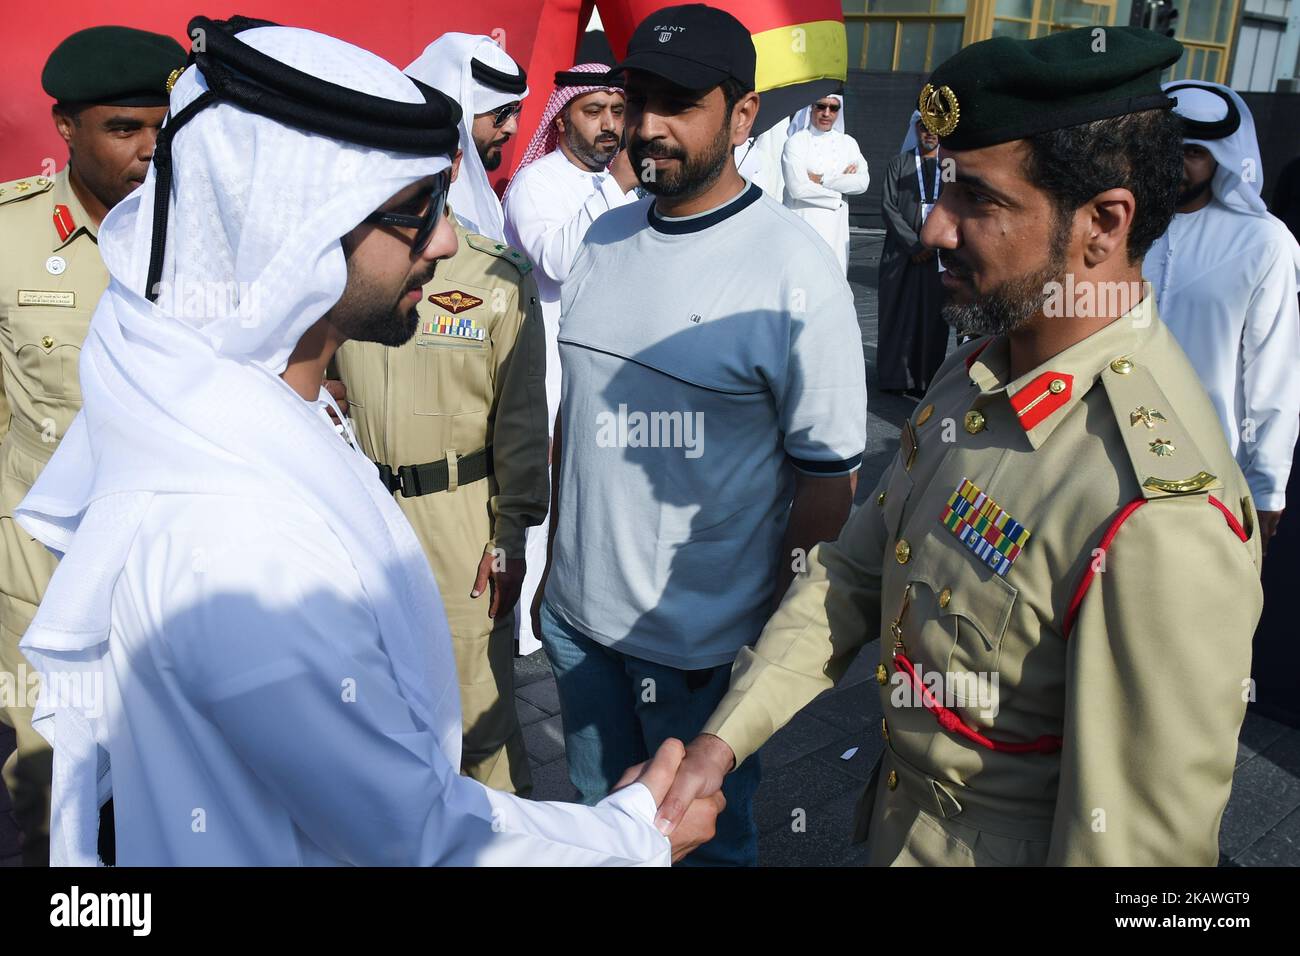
(542, 35)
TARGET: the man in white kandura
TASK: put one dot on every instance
(1224, 276)
(571, 173)
(244, 644)
(821, 165)
(490, 88)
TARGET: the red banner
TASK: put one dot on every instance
(542, 36)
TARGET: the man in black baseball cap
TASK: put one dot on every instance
(710, 304)
(690, 80)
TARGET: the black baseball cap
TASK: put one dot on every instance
(692, 45)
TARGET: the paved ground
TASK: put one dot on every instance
(811, 764)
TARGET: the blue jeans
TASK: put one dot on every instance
(617, 710)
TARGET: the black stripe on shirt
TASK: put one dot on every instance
(826, 467)
(679, 227)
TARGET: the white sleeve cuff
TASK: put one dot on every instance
(638, 802)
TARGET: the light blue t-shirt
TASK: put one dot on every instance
(704, 358)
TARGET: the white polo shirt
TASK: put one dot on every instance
(705, 358)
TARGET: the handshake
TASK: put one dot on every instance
(686, 783)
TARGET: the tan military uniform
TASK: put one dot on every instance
(51, 278)
(1100, 683)
(474, 376)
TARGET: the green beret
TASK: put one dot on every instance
(112, 66)
(1005, 89)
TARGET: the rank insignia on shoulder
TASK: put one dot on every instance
(453, 328)
(990, 533)
(1146, 416)
(455, 301)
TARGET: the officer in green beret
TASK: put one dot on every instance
(110, 88)
(1062, 561)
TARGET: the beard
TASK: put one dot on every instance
(1012, 304)
(693, 175)
(491, 156)
(594, 154)
(367, 312)
(1187, 194)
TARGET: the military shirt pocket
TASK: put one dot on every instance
(451, 376)
(47, 342)
(957, 616)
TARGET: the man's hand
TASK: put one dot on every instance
(506, 582)
(851, 168)
(339, 392)
(816, 177)
(697, 823)
(1267, 527)
(622, 171)
(707, 762)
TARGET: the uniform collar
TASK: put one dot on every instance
(1042, 398)
(70, 218)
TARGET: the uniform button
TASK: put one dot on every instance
(945, 596)
(47, 342)
(974, 421)
(1057, 386)
(882, 675)
(884, 728)
(880, 498)
(925, 415)
(892, 780)
(903, 551)
(1121, 365)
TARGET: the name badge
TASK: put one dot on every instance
(40, 297)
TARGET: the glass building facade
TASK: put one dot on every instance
(916, 35)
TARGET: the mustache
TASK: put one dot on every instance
(421, 281)
(954, 264)
(656, 149)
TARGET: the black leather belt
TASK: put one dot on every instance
(415, 480)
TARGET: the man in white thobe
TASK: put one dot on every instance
(1224, 276)
(571, 173)
(490, 88)
(244, 643)
(821, 166)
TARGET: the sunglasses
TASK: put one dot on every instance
(501, 115)
(827, 107)
(423, 225)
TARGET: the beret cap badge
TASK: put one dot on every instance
(173, 76)
(939, 109)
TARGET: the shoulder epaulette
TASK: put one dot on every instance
(501, 251)
(1165, 460)
(24, 188)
